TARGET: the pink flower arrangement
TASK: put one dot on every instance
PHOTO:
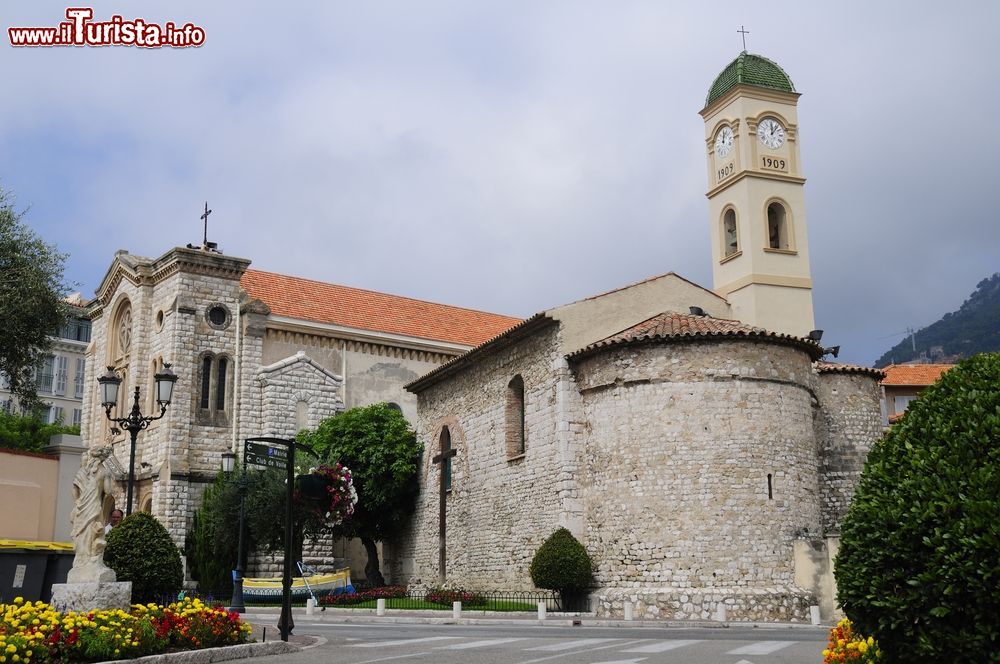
(340, 494)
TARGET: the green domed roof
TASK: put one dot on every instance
(749, 69)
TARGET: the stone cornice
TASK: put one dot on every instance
(142, 271)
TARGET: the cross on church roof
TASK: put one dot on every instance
(204, 217)
(744, 34)
(205, 244)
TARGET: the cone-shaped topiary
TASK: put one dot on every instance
(140, 550)
(919, 561)
(561, 563)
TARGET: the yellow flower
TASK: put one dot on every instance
(862, 647)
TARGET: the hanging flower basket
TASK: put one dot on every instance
(329, 492)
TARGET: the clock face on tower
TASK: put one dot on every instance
(724, 142)
(771, 133)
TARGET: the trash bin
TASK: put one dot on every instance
(59, 564)
(24, 568)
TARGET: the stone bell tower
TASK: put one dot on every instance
(760, 250)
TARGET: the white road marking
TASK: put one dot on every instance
(402, 642)
(479, 644)
(663, 646)
(761, 648)
(386, 659)
(569, 645)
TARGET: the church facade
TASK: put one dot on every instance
(257, 354)
(694, 440)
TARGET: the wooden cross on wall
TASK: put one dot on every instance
(443, 458)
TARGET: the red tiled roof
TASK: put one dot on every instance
(673, 325)
(914, 374)
(836, 367)
(368, 310)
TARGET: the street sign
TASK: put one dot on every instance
(260, 454)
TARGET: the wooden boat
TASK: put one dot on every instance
(269, 590)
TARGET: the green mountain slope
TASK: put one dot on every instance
(974, 328)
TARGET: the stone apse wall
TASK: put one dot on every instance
(702, 471)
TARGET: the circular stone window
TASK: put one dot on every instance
(218, 316)
(159, 320)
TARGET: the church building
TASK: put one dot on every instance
(256, 354)
(694, 440)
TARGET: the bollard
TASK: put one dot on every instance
(310, 606)
(541, 610)
(629, 611)
(720, 612)
(814, 614)
(380, 607)
(456, 610)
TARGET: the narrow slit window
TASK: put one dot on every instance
(220, 389)
(206, 381)
(515, 417)
(770, 488)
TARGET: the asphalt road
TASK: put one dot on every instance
(371, 643)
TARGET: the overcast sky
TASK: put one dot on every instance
(512, 156)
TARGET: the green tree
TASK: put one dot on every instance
(919, 560)
(29, 432)
(31, 301)
(211, 545)
(381, 449)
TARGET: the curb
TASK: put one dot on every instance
(221, 654)
(584, 620)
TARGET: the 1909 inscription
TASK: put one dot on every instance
(773, 163)
(726, 171)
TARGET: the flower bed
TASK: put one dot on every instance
(847, 646)
(448, 597)
(36, 632)
(351, 599)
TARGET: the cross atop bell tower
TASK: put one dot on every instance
(757, 218)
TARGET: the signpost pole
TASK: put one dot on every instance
(285, 623)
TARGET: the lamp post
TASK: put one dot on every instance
(228, 465)
(135, 422)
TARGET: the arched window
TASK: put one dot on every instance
(514, 419)
(119, 349)
(730, 241)
(445, 441)
(213, 395)
(777, 226)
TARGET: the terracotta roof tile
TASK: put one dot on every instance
(673, 325)
(320, 302)
(914, 374)
(836, 367)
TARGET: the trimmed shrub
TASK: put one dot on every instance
(919, 561)
(561, 563)
(140, 550)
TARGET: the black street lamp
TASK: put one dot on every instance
(135, 421)
(228, 465)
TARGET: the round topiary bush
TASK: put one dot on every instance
(919, 560)
(561, 563)
(140, 550)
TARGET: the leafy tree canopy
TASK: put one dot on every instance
(28, 432)
(919, 560)
(31, 301)
(381, 449)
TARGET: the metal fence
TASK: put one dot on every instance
(398, 598)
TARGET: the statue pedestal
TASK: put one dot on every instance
(91, 596)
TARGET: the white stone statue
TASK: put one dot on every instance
(91, 484)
